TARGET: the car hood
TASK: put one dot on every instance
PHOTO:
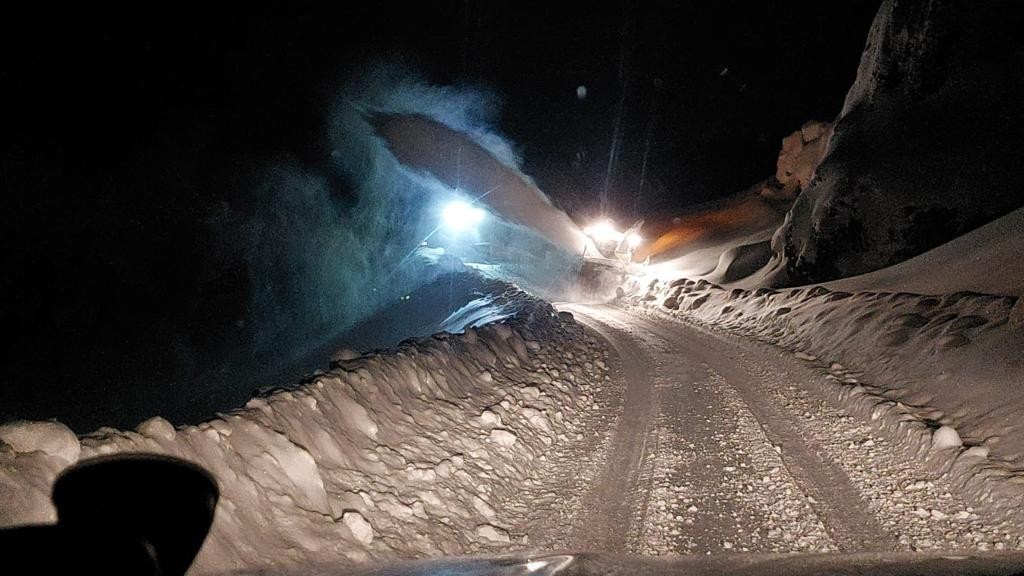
(588, 563)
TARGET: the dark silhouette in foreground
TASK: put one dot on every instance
(124, 514)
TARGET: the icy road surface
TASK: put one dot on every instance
(722, 444)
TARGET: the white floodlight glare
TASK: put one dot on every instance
(603, 232)
(460, 215)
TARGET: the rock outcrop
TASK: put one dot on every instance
(927, 147)
(801, 153)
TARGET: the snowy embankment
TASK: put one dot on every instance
(940, 375)
(402, 453)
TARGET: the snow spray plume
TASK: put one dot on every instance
(454, 158)
(317, 261)
(451, 149)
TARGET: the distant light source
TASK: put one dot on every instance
(460, 215)
(603, 232)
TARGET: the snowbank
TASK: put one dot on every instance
(401, 453)
(940, 374)
(983, 260)
(453, 301)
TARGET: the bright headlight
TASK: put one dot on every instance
(460, 215)
(604, 232)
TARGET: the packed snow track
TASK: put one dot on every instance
(724, 445)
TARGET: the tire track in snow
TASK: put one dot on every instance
(729, 433)
(833, 497)
(611, 515)
(708, 494)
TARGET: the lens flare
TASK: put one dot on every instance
(460, 215)
(605, 232)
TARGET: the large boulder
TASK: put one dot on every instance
(929, 144)
(798, 160)
(801, 153)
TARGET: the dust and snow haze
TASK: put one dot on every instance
(319, 261)
(291, 252)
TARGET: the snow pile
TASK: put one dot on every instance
(453, 301)
(403, 453)
(51, 438)
(940, 374)
(984, 260)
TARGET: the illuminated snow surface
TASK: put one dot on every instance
(509, 436)
(506, 437)
(407, 452)
(936, 374)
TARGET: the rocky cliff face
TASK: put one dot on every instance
(929, 144)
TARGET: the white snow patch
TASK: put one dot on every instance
(503, 437)
(489, 419)
(492, 534)
(51, 438)
(157, 428)
(483, 508)
(360, 528)
(946, 437)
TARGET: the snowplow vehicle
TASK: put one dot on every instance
(609, 257)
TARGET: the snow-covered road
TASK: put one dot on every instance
(645, 430)
(725, 444)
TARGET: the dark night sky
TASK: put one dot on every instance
(124, 131)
